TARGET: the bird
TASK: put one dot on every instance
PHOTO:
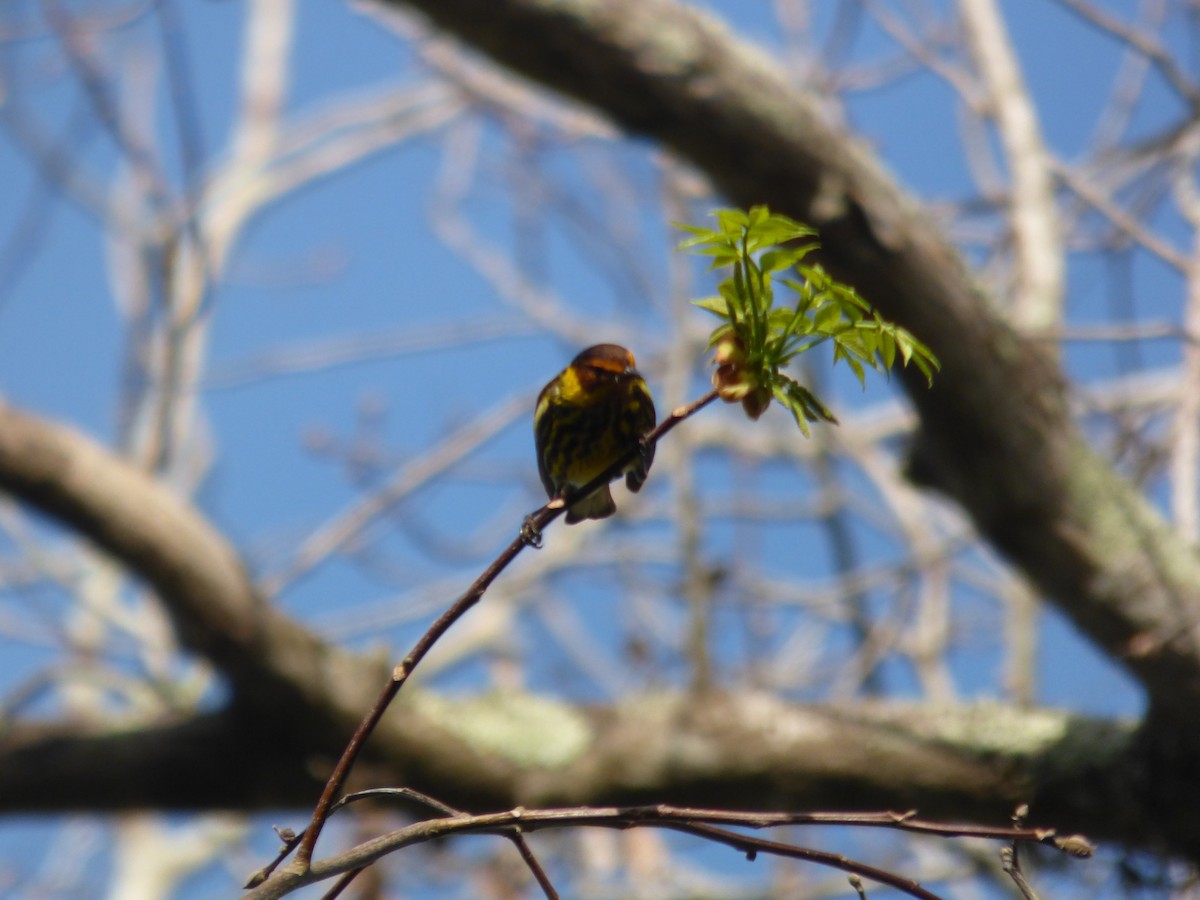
(594, 412)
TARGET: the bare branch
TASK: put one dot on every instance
(1035, 229)
(1144, 43)
(350, 522)
(706, 823)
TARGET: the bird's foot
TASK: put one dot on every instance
(530, 533)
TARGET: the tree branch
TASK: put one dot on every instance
(733, 751)
(996, 434)
(274, 665)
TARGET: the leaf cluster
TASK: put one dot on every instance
(767, 255)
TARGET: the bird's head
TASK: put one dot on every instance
(604, 363)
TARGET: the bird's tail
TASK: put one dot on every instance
(596, 505)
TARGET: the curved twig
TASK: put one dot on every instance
(710, 824)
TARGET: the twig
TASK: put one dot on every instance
(341, 884)
(1126, 223)
(1012, 868)
(752, 846)
(98, 89)
(1143, 43)
(515, 835)
(535, 867)
(530, 534)
(1011, 862)
(291, 839)
(350, 522)
(710, 824)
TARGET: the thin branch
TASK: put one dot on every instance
(543, 880)
(1185, 440)
(1010, 859)
(752, 846)
(955, 75)
(1035, 227)
(97, 87)
(460, 161)
(349, 523)
(332, 352)
(341, 884)
(530, 535)
(711, 824)
(1144, 43)
(1125, 223)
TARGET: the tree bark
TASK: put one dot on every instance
(741, 751)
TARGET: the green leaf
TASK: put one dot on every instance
(779, 318)
(732, 221)
(913, 350)
(780, 392)
(927, 365)
(716, 305)
(764, 253)
(814, 409)
(718, 334)
(887, 348)
(776, 260)
(699, 234)
(858, 346)
(842, 352)
(827, 317)
(735, 299)
(850, 298)
(803, 403)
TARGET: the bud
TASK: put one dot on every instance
(735, 383)
(730, 351)
(731, 382)
(756, 402)
(730, 379)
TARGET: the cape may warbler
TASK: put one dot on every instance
(595, 411)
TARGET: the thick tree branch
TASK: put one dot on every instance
(272, 663)
(995, 430)
(209, 761)
(731, 751)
